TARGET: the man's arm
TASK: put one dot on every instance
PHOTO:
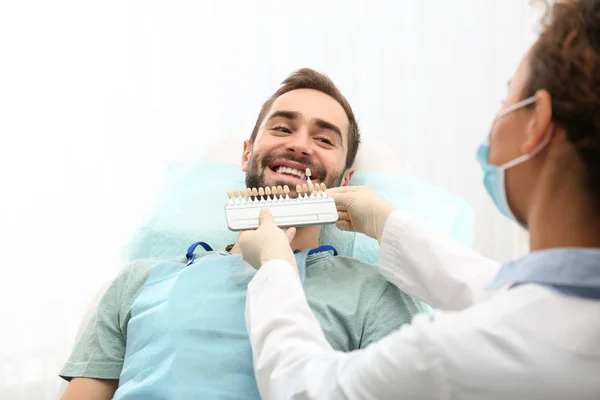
(90, 389)
(94, 366)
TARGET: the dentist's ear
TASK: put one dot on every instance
(540, 123)
(246, 155)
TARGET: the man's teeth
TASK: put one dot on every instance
(291, 171)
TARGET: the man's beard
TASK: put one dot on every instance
(255, 174)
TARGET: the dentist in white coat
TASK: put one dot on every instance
(529, 329)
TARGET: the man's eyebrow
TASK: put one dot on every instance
(330, 127)
(291, 115)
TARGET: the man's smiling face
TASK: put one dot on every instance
(304, 128)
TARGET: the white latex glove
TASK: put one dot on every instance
(268, 242)
(360, 210)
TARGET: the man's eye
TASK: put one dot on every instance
(325, 140)
(282, 129)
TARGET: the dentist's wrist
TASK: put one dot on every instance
(280, 259)
(384, 216)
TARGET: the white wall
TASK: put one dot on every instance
(96, 98)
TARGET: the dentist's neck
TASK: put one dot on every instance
(305, 238)
(563, 214)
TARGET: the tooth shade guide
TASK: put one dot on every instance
(310, 208)
(305, 188)
(307, 172)
(323, 189)
(268, 193)
(273, 195)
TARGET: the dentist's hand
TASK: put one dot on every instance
(360, 210)
(267, 243)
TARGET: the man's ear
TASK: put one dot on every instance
(347, 176)
(540, 123)
(246, 154)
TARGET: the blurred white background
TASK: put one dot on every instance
(96, 98)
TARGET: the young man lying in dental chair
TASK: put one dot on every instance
(173, 329)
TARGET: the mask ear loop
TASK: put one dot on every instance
(526, 157)
(508, 110)
(517, 105)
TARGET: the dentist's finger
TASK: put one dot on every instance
(291, 233)
(343, 216)
(343, 199)
(266, 217)
(344, 226)
(342, 189)
(244, 237)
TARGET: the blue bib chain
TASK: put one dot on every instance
(191, 256)
(320, 249)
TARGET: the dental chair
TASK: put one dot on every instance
(376, 165)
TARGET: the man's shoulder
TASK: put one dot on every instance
(137, 271)
(150, 262)
(345, 263)
(345, 269)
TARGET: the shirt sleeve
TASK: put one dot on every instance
(432, 267)
(100, 352)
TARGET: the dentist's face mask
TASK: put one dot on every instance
(494, 176)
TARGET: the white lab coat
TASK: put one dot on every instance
(528, 342)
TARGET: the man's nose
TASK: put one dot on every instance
(299, 144)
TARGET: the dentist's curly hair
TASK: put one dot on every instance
(565, 61)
